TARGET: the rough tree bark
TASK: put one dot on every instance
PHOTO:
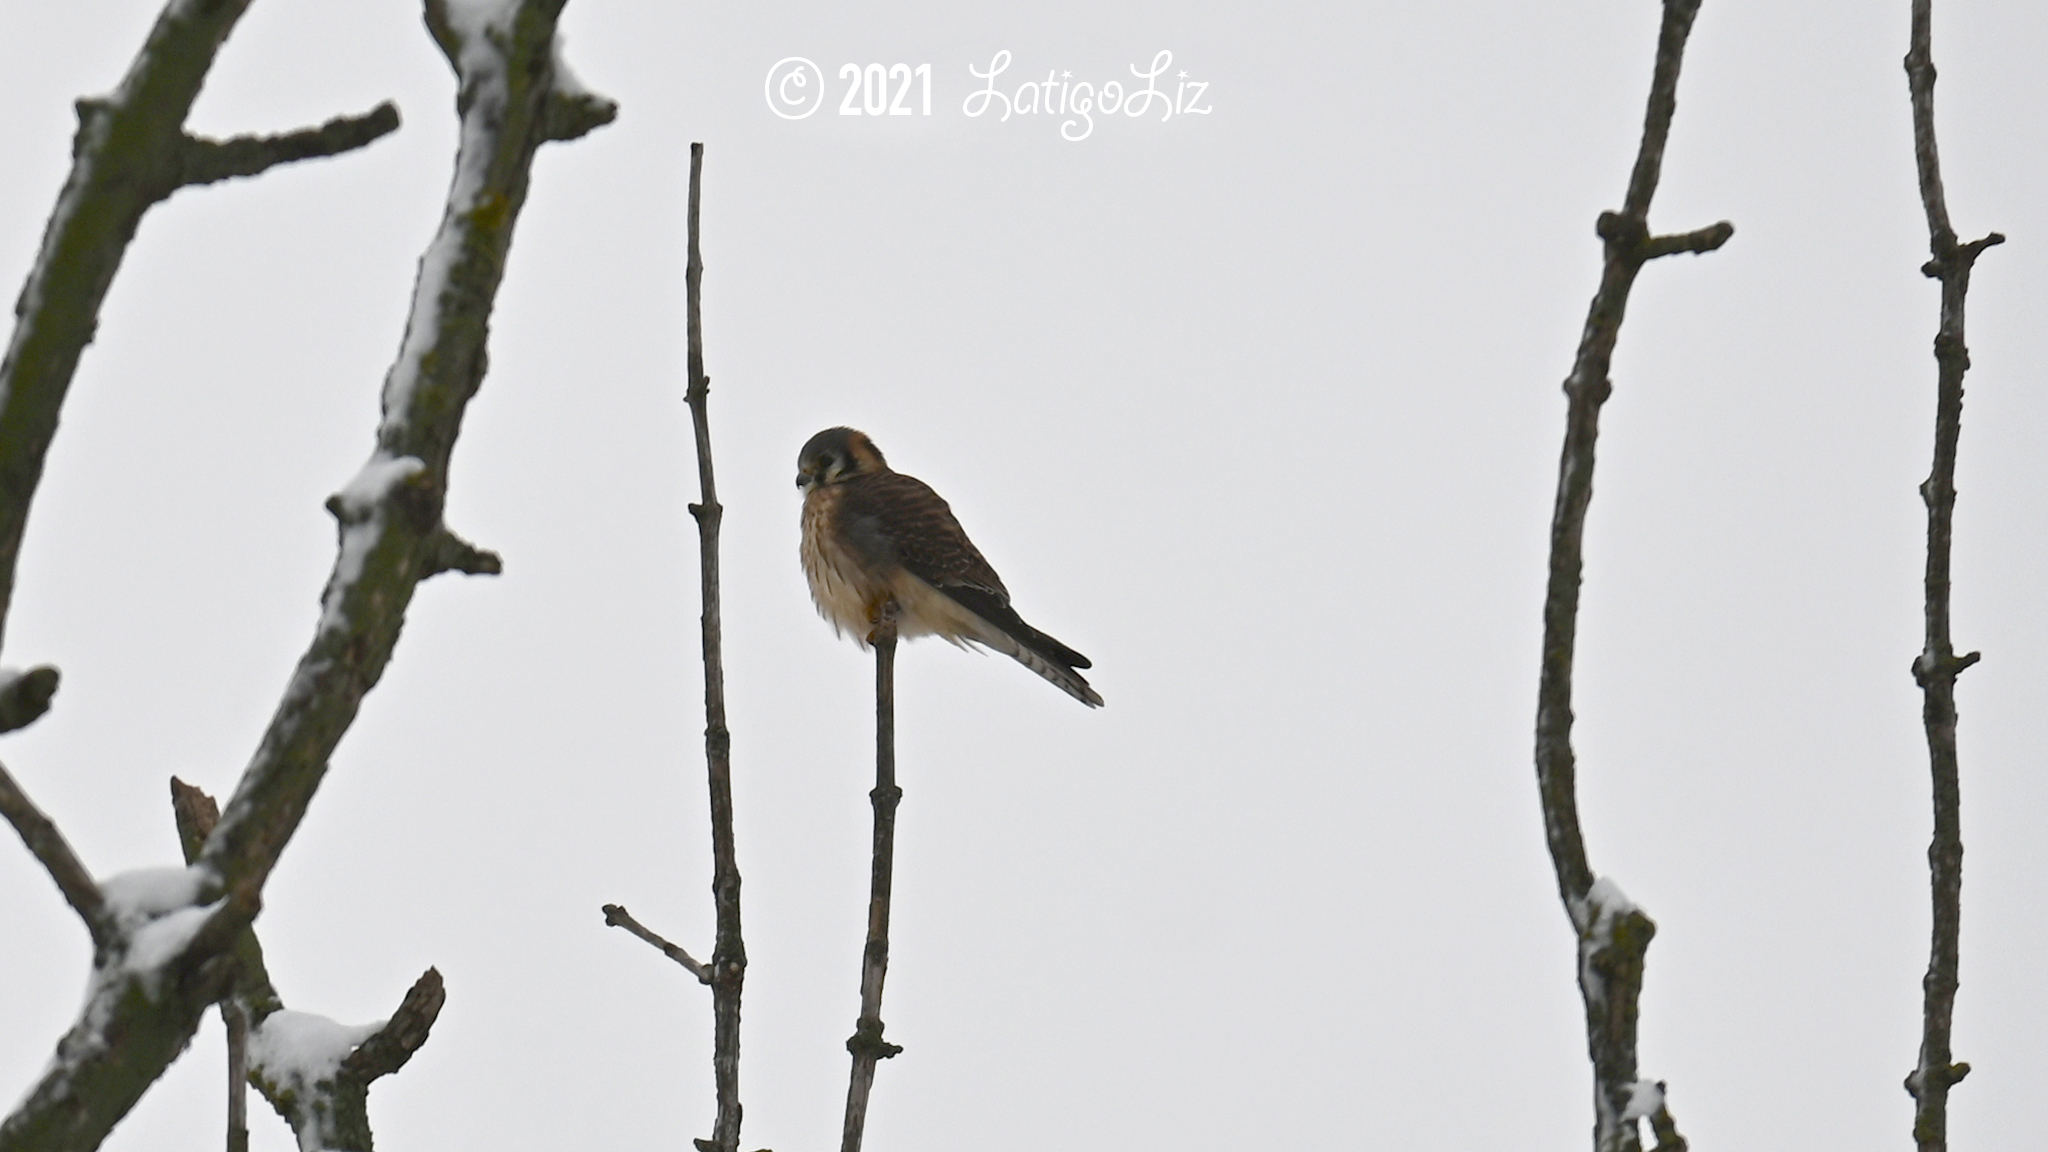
(165, 940)
(1937, 666)
(1614, 934)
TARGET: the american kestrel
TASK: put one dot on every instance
(872, 534)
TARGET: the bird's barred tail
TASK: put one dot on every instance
(1006, 632)
(1068, 680)
(1047, 657)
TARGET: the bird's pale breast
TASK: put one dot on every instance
(848, 587)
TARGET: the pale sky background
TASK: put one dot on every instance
(1258, 408)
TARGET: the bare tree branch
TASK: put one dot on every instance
(145, 1003)
(131, 151)
(1614, 935)
(54, 853)
(729, 951)
(317, 1073)
(866, 1043)
(204, 161)
(327, 1105)
(616, 916)
(390, 514)
(1937, 666)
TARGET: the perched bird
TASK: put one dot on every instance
(872, 534)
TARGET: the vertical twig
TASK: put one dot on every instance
(237, 1019)
(1614, 935)
(729, 952)
(866, 1043)
(1937, 666)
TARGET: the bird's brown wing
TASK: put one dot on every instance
(898, 517)
(893, 517)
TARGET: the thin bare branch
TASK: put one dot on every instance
(616, 916)
(729, 951)
(1614, 935)
(866, 1043)
(1938, 665)
(54, 853)
(390, 1047)
(236, 1018)
(204, 161)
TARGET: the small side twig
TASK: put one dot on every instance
(1614, 935)
(1937, 666)
(204, 161)
(866, 1043)
(616, 916)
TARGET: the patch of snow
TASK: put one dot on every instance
(375, 480)
(481, 27)
(1607, 896)
(163, 939)
(135, 898)
(296, 1050)
(158, 912)
(1645, 1098)
(566, 81)
(361, 505)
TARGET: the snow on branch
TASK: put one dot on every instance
(317, 1073)
(390, 533)
(314, 1072)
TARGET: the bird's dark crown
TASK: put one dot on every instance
(836, 454)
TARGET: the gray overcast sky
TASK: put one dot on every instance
(1258, 408)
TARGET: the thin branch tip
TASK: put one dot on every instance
(616, 916)
(447, 552)
(204, 161)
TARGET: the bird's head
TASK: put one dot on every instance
(835, 455)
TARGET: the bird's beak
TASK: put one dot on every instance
(803, 480)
